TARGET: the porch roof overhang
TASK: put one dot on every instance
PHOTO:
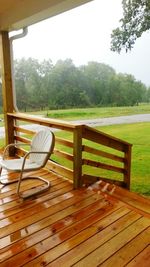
(18, 14)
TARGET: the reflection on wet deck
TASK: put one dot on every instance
(102, 225)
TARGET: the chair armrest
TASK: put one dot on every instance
(32, 152)
(39, 152)
(13, 145)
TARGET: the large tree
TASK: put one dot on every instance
(135, 21)
(97, 79)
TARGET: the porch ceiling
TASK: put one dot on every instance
(21, 13)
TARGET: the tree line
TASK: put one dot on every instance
(44, 85)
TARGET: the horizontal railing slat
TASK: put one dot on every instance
(102, 165)
(63, 154)
(23, 130)
(88, 179)
(22, 139)
(59, 124)
(59, 169)
(64, 142)
(102, 153)
(104, 139)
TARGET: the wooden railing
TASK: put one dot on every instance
(113, 154)
(82, 154)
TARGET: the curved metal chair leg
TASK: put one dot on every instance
(31, 192)
(35, 190)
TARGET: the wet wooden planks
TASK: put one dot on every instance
(66, 227)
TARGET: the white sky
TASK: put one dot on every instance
(83, 34)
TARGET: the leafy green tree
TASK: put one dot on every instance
(124, 90)
(21, 76)
(147, 95)
(115, 95)
(135, 21)
(66, 86)
(33, 83)
(97, 77)
(45, 76)
(32, 79)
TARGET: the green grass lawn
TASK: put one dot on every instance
(101, 112)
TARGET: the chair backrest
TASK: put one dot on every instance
(43, 141)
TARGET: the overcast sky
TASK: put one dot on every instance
(83, 34)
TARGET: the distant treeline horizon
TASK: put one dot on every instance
(44, 85)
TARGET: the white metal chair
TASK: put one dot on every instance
(41, 148)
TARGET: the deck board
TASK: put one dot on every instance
(97, 226)
(130, 250)
(142, 259)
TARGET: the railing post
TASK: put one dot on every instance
(7, 90)
(77, 155)
(127, 166)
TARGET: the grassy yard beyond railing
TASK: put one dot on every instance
(89, 113)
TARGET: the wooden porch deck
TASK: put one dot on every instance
(101, 225)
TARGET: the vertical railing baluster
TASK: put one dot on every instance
(77, 154)
(127, 166)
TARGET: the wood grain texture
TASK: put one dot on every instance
(64, 227)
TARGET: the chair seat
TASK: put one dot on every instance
(16, 165)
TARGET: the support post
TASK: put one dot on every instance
(77, 153)
(7, 89)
